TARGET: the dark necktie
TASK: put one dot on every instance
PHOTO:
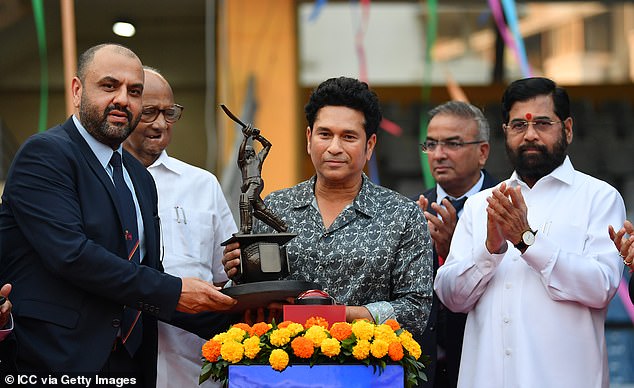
(458, 204)
(131, 330)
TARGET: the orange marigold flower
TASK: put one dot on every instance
(393, 324)
(395, 351)
(211, 350)
(243, 326)
(302, 347)
(316, 321)
(278, 359)
(260, 328)
(341, 330)
(283, 324)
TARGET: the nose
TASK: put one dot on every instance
(160, 121)
(335, 145)
(531, 132)
(121, 96)
(438, 151)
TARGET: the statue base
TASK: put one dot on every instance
(260, 294)
(262, 257)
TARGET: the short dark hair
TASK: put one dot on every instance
(85, 59)
(348, 92)
(527, 88)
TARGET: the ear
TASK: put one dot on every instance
(369, 146)
(308, 133)
(568, 130)
(77, 89)
(483, 154)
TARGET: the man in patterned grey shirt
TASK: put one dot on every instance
(368, 246)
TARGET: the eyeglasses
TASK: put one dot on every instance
(453, 145)
(521, 126)
(171, 114)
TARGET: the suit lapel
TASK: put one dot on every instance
(93, 164)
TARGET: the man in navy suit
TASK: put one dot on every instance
(457, 147)
(62, 240)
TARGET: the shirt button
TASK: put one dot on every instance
(507, 352)
(508, 286)
(507, 320)
(116, 322)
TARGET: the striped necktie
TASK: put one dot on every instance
(131, 325)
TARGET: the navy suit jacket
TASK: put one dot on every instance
(453, 323)
(62, 248)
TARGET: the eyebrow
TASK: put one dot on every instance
(450, 138)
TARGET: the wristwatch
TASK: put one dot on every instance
(528, 238)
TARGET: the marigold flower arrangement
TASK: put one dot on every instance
(287, 343)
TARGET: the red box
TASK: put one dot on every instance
(300, 313)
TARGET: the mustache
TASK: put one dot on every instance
(119, 108)
(532, 147)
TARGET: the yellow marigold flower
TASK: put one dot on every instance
(363, 330)
(341, 330)
(236, 333)
(316, 334)
(251, 347)
(318, 321)
(260, 328)
(280, 337)
(361, 350)
(220, 337)
(330, 347)
(302, 347)
(295, 328)
(211, 350)
(393, 324)
(395, 351)
(232, 351)
(278, 359)
(412, 347)
(385, 333)
(379, 348)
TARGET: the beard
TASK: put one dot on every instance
(535, 166)
(97, 124)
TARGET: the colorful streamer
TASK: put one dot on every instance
(430, 40)
(511, 16)
(38, 15)
(314, 14)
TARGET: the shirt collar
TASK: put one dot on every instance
(101, 151)
(305, 195)
(564, 173)
(168, 163)
(441, 193)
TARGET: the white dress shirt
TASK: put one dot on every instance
(537, 319)
(195, 219)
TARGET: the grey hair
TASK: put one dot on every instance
(466, 111)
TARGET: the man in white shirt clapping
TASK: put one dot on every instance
(530, 260)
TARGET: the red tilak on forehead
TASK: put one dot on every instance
(529, 116)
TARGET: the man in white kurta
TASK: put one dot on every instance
(536, 306)
(195, 219)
